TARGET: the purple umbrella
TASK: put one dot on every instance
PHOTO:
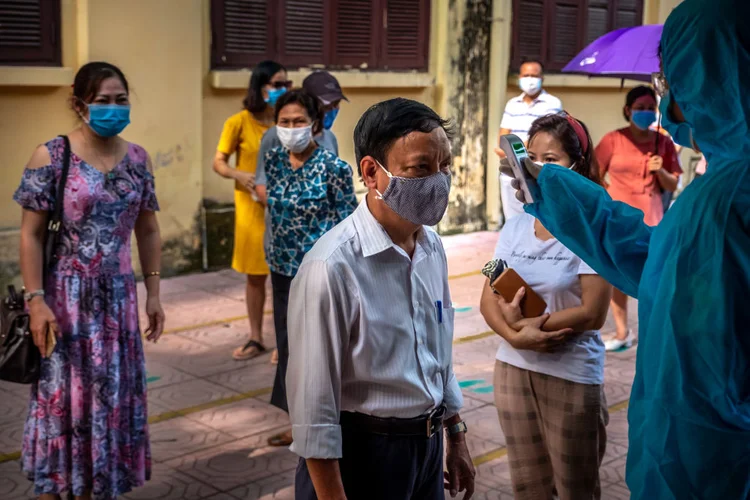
(627, 53)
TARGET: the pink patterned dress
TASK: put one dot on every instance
(87, 427)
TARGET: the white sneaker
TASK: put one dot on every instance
(617, 344)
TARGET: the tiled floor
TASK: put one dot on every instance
(211, 417)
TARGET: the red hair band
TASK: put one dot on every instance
(579, 130)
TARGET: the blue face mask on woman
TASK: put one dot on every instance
(329, 118)
(681, 133)
(274, 94)
(108, 120)
(643, 118)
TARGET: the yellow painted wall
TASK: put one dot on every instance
(178, 108)
(218, 105)
(600, 108)
(30, 116)
(158, 44)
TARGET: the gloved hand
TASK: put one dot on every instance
(533, 169)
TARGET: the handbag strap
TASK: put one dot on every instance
(57, 211)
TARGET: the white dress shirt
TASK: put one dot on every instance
(370, 331)
(519, 115)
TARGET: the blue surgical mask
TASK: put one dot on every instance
(681, 133)
(274, 94)
(643, 119)
(329, 118)
(108, 120)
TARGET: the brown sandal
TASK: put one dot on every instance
(250, 350)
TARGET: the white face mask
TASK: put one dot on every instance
(295, 140)
(530, 85)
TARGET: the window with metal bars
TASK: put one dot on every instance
(364, 34)
(555, 31)
(30, 33)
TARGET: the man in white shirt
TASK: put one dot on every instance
(370, 381)
(520, 113)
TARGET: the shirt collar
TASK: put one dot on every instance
(373, 237)
(540, 98)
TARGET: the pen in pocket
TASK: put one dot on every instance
(439, 307)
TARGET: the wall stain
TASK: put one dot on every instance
(468, 101)
(165, 158)
(219, 234)
(182, 254)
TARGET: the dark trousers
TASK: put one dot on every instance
(281, 285)
(666, 199)
(381, 467)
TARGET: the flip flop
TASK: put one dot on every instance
(250, 350)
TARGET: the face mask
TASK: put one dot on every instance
(295, 140)
(108, 120)
(643, 119)
(530, 85)
(329, 118)
(421, 200)
(681, 133)
(274, 94)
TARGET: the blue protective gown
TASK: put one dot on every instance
(689, 413)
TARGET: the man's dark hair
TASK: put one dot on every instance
(527, 60)
(635, 94)
(388, 121)
(261, 76)
(310, 103)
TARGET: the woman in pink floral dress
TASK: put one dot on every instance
(86, 433)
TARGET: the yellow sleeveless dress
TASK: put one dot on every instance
(241, 135)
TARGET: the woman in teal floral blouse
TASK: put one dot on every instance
(308, 191)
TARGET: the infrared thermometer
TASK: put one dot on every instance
(515, 151)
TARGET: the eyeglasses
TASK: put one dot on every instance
(287, 84)
(660, 83)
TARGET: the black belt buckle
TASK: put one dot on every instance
(435, 421)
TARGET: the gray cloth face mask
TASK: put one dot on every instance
(420, 200)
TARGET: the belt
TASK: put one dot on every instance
(424, 426)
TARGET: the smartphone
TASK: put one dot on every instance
(515, 151)
(507, 285)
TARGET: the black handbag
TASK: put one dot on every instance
(20, 360)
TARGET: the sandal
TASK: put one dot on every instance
(252, 349)
(283, 439)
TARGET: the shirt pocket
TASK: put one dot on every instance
(445, 332)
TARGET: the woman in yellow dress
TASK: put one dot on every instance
(241, 136)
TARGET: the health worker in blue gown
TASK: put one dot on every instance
(689, 413)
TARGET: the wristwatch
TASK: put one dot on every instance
(28, 297)
(456, 428)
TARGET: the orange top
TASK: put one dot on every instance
(626, 162)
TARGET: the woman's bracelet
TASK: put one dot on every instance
(152, 274)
